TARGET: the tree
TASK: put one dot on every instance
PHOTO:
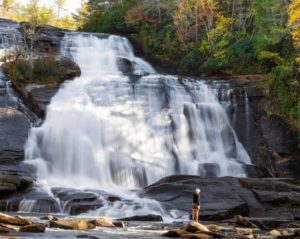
(35, 14)
(59, 6)
(7, 8)
(193, 16)
(294, 24)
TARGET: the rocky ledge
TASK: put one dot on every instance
(223, 198)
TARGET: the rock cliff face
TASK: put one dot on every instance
(269, 140)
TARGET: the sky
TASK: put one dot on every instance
(70, 7)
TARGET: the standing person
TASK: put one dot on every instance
(196, 205)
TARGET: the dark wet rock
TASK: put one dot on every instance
(254, 171)
(144, 218)
(174, 233)
(15, 177)
(34, 228)
(280, 137)
(209, 170)
(14, 127)
(30, 201)
(83, 236)
(39, 98)
(282, 140)
(125, 66)
(113, 198)
(50, 218)
(223, 198)
(119, 224)
(77, 201)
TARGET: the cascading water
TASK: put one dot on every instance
(106, 129)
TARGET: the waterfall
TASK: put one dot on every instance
(128, 128)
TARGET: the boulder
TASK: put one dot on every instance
(70, 224)
(196, 227)
(275, 233)
(244, 222)
(14, 127)
(14, 220)
(33, 228)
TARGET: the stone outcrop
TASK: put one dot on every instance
(223, 198)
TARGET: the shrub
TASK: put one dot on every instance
(211, 66)
(285, 86)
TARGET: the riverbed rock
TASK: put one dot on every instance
(14, 220)
(72, 224)
(14, 127)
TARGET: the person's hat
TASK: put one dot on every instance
(198, 190)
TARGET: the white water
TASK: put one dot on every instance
(104, 131)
